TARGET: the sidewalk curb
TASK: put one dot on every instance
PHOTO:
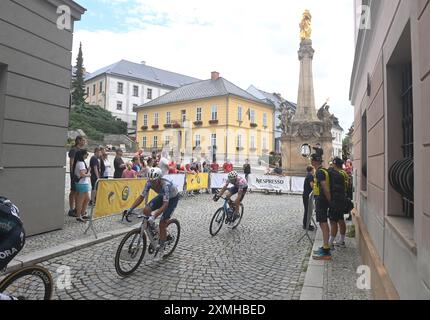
(313, 288)
(63, 249)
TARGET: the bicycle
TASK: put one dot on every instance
(133, 253)
(225, 215)
(30, 283)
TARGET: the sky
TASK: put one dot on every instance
(249, 42)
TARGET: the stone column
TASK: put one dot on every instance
(306, 97)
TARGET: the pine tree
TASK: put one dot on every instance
(78, 85)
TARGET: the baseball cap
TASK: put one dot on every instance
(338, 162)
(316, 157)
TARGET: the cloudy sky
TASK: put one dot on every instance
(247, 41)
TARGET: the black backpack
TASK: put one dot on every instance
(337, 191)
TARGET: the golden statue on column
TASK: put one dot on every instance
(306, 26)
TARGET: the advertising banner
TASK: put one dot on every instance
(269, 182)
(197, 181)
(177, 179)
(116, 195)
(297, 184)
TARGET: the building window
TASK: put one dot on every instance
(149, 94)
(198, 141)
(264, 119)
(168, 121)
(145, 120)
(155, 119)
(119, 105)
(239, 141)
(167, 140)
(213, 140)
(239, 114)
(364, 152)
(135, 91)
(120, 88)
(183, 116)
(214, 113)
(134, 123)
(199, 114)
(155, 145)
(252, 116)
(252, 142)
(264, 143)
(101, 87)
(94, 89)
(88, 91)
(144, 142)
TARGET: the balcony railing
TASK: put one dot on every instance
(155, 127)
(144, 128)
(198, 123)
(167, 125)
(254, 125)
(212, 122)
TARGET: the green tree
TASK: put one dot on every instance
(78, 85)
(347, 144)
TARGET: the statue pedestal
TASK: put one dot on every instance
(305, 132)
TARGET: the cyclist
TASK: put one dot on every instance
(12, 236)
(240, 186)
(162, 205)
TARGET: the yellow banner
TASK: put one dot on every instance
(116, 195)
(197, 181)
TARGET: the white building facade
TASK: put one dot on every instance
(125, 85)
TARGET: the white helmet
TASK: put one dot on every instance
(154, 174)
(232, 176)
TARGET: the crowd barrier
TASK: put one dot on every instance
(114, 196)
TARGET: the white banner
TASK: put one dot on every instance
(177, 179)
(218, 180)
(297, 184)
(269, 182)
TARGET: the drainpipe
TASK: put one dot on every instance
(226, 126)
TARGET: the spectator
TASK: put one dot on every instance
(82, 180)
(136, 164)
(318, 150)
(339, 186)
(349, 194)
(173, 167)
(322, 201)
(277, 171)
(79, 144)
(150, 163)
(106, 167)
(129, 173)
(163, 164)
(118, 164)
(308, 187)
(247, 169)
(228, 166)
(206, 169)
(95, 172)
(214, 167)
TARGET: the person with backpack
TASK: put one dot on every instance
(81, 176)
(339, 182)
(322, 204)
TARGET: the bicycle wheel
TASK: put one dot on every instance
(31, 283)
(130, 253)
(238, 220)
(217, 222)
(173, 233)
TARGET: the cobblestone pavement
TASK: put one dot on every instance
(259, 260)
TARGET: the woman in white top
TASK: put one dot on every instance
(107, 166)
(82, 181)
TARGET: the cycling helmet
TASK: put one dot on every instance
(154, 174)
(7, 207)
(232, 176)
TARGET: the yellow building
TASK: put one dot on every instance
(207, 119)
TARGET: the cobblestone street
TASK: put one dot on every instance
(259, 260)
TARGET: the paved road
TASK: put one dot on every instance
(259, 260)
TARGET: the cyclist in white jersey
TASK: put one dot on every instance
(162, 205)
